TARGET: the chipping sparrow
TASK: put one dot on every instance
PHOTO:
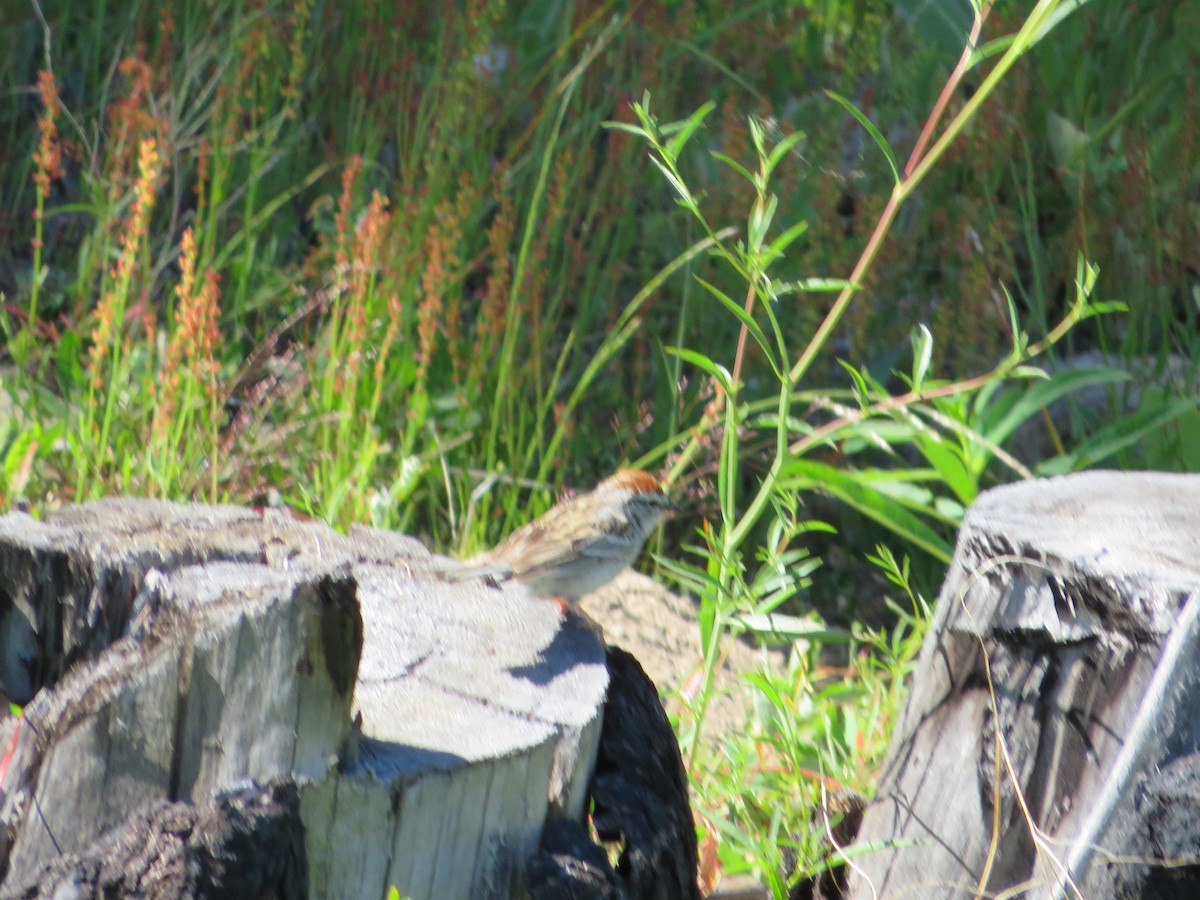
(581, 543)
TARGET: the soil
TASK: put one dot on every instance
(660, 629)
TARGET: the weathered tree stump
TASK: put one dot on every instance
(246, 843)
(190, 674)
(639, 795)
(1051, 737)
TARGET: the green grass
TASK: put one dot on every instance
(423, 271)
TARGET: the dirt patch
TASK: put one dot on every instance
(660, 629)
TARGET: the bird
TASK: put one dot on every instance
(581, 543)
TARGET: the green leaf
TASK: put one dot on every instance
(757, 136)
(627, 126)
(862, 496)
(685, 196)
(733, 164)
(907, 487)
(791, 628)
(18, 460)
(706, 618)
(746, 319)
(874, 132)
(948, 510)
(1103, 308)
(813, 285)
(692, 578)
(1002, 44)
(681, 132)
(991, 48)
(897, 572)
(858, 384)
(1028, 372)
(1086, 274)
(1047, 23)
(950, 468)
(759, 224)
(922, 344)
(1177, 448)
(781, 243)
(874, 432)
(1014, 321)
(700, 361)
(1043, 394)
(782, 148)
(1116, 436)
(67, 359)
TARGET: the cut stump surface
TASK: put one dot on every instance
(172, 654)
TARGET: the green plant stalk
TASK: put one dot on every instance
(734, 535)
(214, 453)
(1079, 310)
(97, 250)
(948, 89)
(1041, 15)
(624, 328)
(338, 390)
(245, 261)
(904, 188)
(116, 373)
(111, 389)
(82, 443)
(220, 164)
(513, 324)
(35, 288)
(733, 538)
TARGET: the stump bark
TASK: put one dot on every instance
(1050, 742)
(194, 678)
(639, 796)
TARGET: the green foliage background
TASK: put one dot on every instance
(387, 263)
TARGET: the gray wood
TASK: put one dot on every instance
(1058, 680)
(175, 654)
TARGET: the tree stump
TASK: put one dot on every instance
(1050, 742)
(193, 677)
